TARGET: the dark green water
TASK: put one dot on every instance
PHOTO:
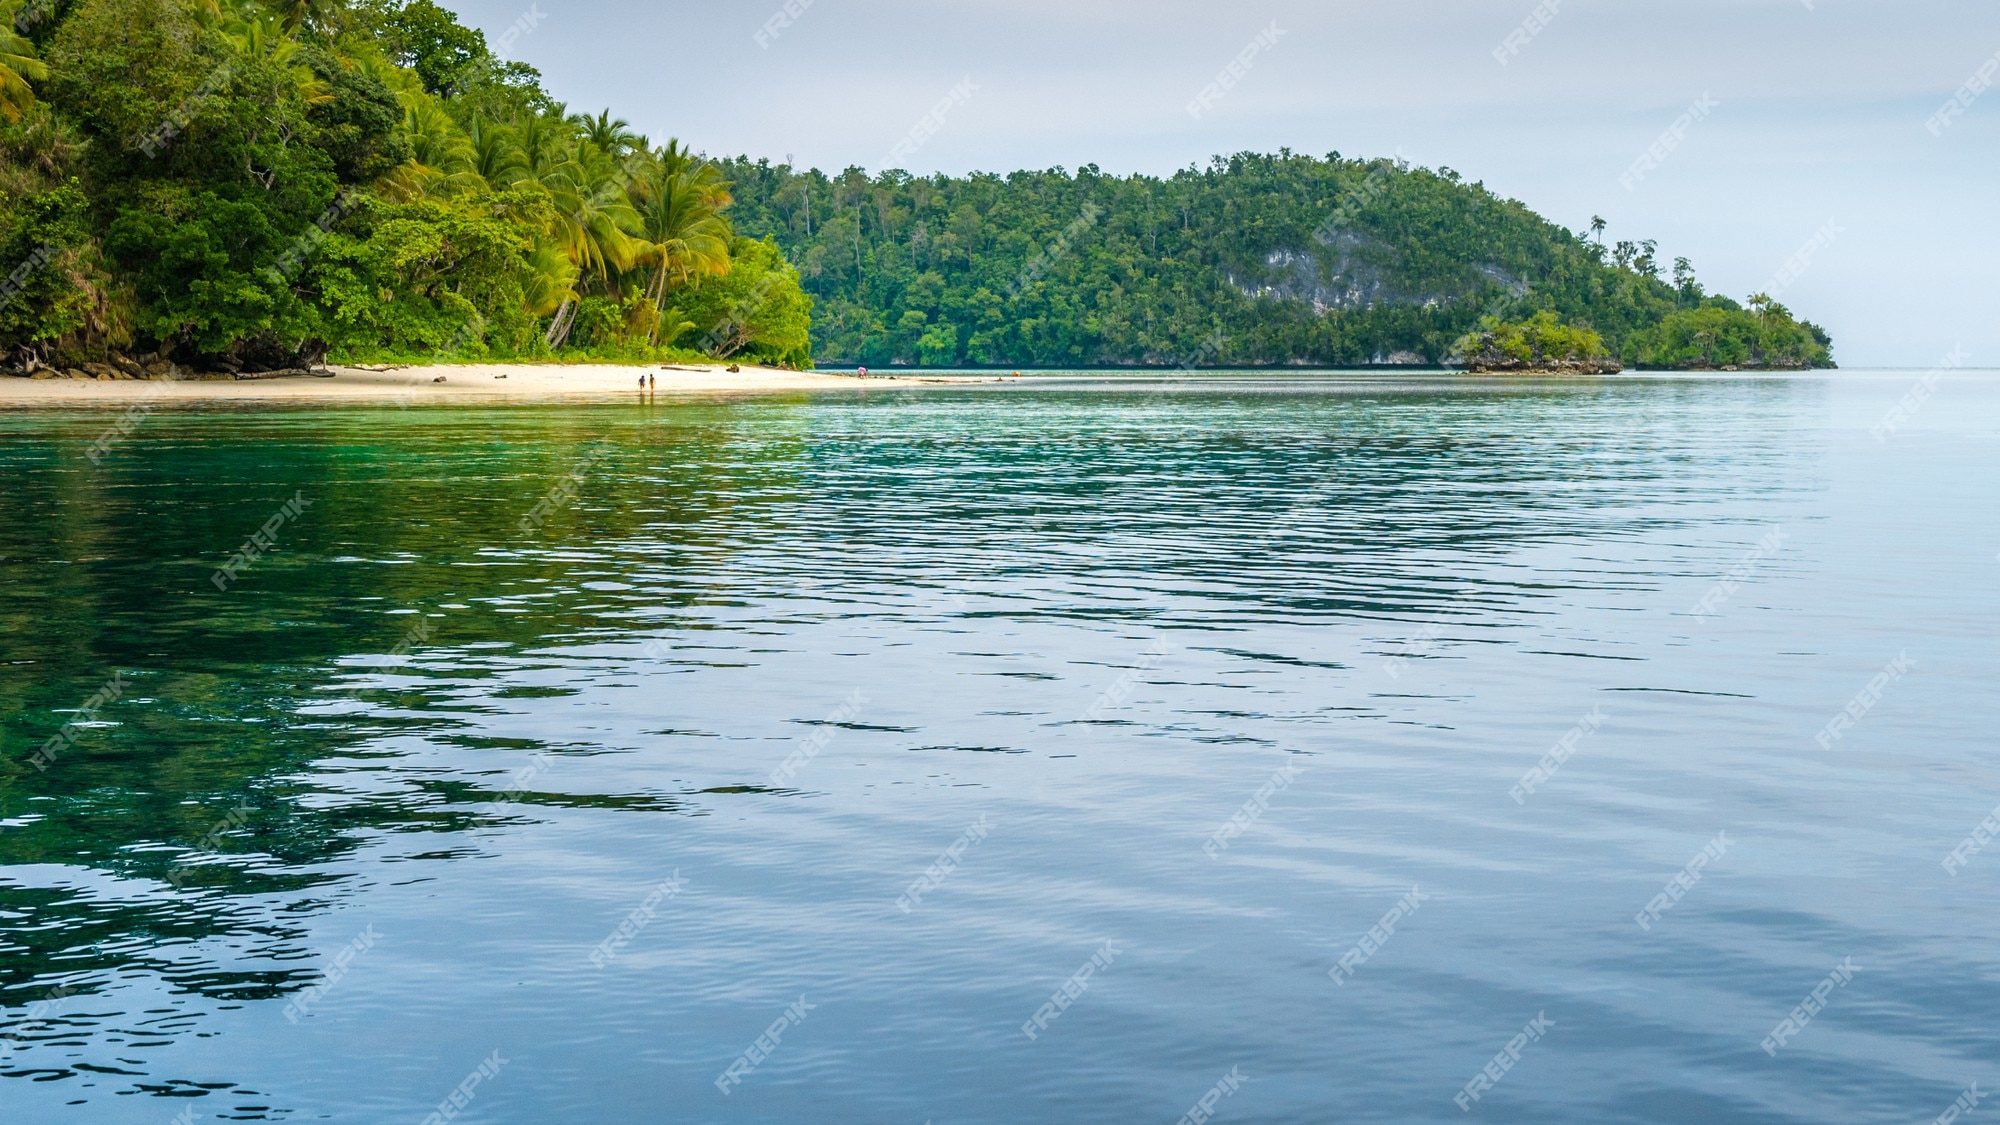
(758, 666)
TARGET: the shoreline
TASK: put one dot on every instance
(499, 384)
(486, 383)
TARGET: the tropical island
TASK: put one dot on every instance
(1256, 260)
(261, 187)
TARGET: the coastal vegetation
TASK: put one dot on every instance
(1720, 337)
(1540, 343)
(1255, 259)
(251, 185)
(262, 185)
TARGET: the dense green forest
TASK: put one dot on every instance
(257, 184)
(1256, 259)
(262, 184)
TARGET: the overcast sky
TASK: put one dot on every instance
(1820, 114)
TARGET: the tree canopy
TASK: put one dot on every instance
(260, 183)
(1293, 259)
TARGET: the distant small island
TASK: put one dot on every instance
(1716, 337)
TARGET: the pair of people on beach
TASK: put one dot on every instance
(647, 382)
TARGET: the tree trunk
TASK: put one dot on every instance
(559, 328)
(742, 338)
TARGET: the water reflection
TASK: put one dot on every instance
(450, 647)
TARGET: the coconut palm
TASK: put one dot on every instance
(550, 282)
(17, 64)
(594, 222)
(255, 35)
(497, 155)
(612, 135)
(543, 143)
(594, 219)
(681, 221)
(442, 160)
(676, 158)
(323, 16)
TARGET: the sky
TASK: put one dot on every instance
(1813, 146)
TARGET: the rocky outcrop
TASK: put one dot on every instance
(1757, 366)
(1494, 364)
(1346, 269)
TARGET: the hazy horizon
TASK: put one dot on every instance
(1818, 118)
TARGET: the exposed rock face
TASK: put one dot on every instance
(1349, 269)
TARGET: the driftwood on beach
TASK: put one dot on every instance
(166, 373)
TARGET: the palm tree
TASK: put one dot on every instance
(1597, 225)
(594, 219)
(323, 16)
(676, 158)
(612, 135)
(681, 222)
(17, 64)
(542, 142)
(594, 222)
(551, 279)
(442, 160)
(260, 36)
(497, 157)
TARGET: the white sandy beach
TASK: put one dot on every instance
(473, 382)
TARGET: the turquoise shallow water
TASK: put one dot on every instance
(613, 737)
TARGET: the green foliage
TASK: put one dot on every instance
(1542, 338)
(261, 182)
(425, 277)
(1717, 336)
(1294, 259)
(18, 64)
(358, 123)
(264, 182)
(428, 39)
(120, 69)
(757, 312)
(42, 299)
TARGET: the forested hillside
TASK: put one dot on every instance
(1256, 259)
(256, 184)
(249, 185)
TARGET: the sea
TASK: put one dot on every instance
(1229, 747)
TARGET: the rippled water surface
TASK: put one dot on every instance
(605, 736)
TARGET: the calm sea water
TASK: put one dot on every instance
(1023, 753)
